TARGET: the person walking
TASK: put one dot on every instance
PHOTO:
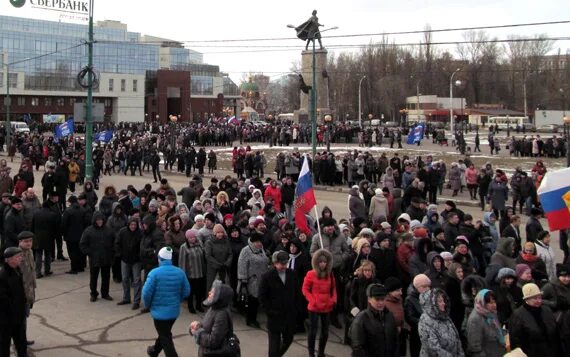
(97, 243)
(28, 270)
(163, 291)
(127, 249)
(12, 304)
(193, 262)
(216, 326)
(373, 331)
(279, 295)
(320, 291)
(218, 255)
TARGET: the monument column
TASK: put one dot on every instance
(322, 85)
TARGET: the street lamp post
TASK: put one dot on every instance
(89, 111)
(7, 104)
(451, 124)
(360, 102)
(418, 100)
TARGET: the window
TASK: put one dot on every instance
(111, 84)
(60, 102)
(123, 85)
(135, 85)
(21, 101)
(1, 78)
(107, 103)
(13, 78)
(47, 102)
(72, 101)
(35, 101)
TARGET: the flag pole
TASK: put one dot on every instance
(319, 227)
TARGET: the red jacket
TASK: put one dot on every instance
(320, 294)
(275, 194)
(404, 254)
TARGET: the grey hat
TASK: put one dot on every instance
(280, 257)
(12, 251)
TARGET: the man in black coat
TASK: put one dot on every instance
(151, 243)
(279, 294)
(72, 226)
(12, 304)
(49, 181)
(14, 223)
(373, 331)
(97, 242)
(46, 225)
(533, 226)
(513, 230)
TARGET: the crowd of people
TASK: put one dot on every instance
(395, 273)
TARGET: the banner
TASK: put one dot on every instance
(416, 134)
(63, 130)
(104, 136)
(54, 118)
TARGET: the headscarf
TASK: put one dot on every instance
(490, 317)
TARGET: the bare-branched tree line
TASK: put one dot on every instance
(492, 72)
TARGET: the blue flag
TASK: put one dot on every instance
(416, 134)
(63, 130)
(104, 136)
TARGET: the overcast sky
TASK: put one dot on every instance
(185, 20)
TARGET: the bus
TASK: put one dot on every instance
(512, 122)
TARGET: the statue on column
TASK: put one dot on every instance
(309, 30)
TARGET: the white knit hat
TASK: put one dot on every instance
(165, 253)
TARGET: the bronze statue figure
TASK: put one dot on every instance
(309, 30)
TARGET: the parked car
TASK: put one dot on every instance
(548, 128)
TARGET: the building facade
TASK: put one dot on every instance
(41, 60)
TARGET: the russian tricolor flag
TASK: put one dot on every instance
(554, 195)
(304, 197)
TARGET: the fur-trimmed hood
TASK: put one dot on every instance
(315, 262)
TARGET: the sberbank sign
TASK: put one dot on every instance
(76, 6)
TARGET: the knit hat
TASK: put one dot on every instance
(191, 233)
(420, 233)
(165, 253)
(255, 237)
(461, 240)
(385, 225)
(228, 216)
(149, 219)
(342, 227)
(25, 235)
(562, 270)
(378, 192)
(153, 203)
(376, 290)
(450, 203)
(258, 221)
(327, 222)
(505, 273)
(437, 231)
(542, 235)
(198, 217)
(15, 200)
(415, 224)
(218, 228)
(210, 216)
(530, 290)
(367, 231)
(421, 279)
(392, 284)
(446, 255)
(521, 269)
(11, 251)
(280, 257)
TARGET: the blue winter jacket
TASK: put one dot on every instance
(164, 290)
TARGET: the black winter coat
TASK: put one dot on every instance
(282, 302)
(152, 241)
(46, 225)
(14, 223)
(374, 334)
(412, 308)
(73, 223)
(98, 244)
(536, 339)
(12, 297)
(385, 262)
(128, 245)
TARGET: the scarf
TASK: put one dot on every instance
(292, 260)
(490, 317)
(529, 257)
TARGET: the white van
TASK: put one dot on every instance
(19, 127)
